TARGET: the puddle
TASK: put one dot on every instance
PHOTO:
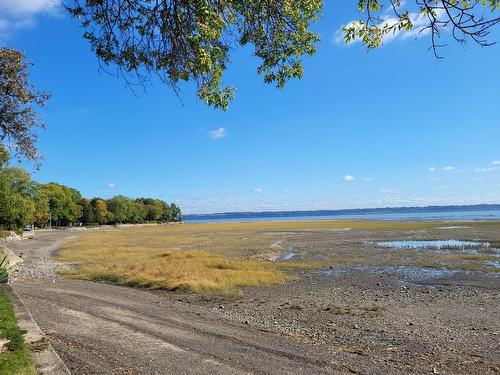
(334, 272)
(474, 247)
(290, 254)
(453, 227)
(463, 251)
(493, 263)
(402, 272)
(436, 244)
(412, 273)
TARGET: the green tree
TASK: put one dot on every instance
(175, 212)
(87, 211)
(167, 215)
(101, 213)
(191, 40)
(122, 209)
(42, 210)
(139, 213)
(18, 104)
(463, 20)
(63, 203)
(154, 208)
(16, 191)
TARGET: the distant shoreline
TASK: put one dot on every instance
(439, 213)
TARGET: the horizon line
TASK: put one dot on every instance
(389, 208)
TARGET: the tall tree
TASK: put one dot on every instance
(16, 191)
(122, 209)
(175, 212)
(101, 213)
(18, 103)
(191, 40)
(42, 209)
(87, 212)
(63, 203)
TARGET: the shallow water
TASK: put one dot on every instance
(413, 273)
(436, 244)
(493, 263)
(404, 272)
(334, 272)
(290, 254)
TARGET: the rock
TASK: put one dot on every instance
(3, 345)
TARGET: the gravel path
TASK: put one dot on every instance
(105, 329)
(37, 253)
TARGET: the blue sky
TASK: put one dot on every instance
(391, 127)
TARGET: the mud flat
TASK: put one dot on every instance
(372, 298)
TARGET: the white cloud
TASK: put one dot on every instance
(432, 169)
(348, 178)
(449, 168)
(258, 190)
(18, 15)
(367, 179)
(111, 185)
(495, 162)
(217, 134)
(387, 191)
(419, 21)
(23, 7)
(488, 169)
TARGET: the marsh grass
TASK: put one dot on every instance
(165, 259)
(192, 271)
(222, 257)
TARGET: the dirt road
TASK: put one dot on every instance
(103, 329)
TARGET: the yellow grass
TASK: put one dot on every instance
(167, 257)
(225, 256)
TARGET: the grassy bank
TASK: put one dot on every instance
(16, 360)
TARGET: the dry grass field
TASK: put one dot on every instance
(226, 256)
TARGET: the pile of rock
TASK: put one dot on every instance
(12, 237)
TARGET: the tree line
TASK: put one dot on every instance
(24, 202)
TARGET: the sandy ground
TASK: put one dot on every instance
(338, 320)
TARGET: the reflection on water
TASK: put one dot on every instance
(405, 272)
(493, 263)
(334, 271)
(436, 244)
(288, 255)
